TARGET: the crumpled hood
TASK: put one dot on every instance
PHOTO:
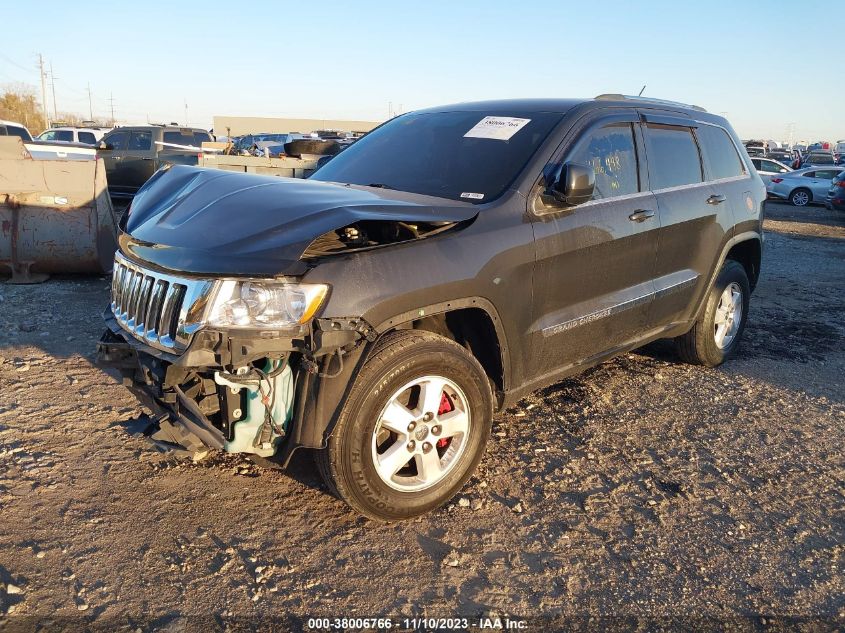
(212, 221)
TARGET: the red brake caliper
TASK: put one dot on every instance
(445, 407)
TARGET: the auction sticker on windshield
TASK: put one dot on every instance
(500, 128)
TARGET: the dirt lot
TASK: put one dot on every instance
(645, 493)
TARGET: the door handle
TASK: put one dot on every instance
(716, 199)
(117, 157)
(641, 215)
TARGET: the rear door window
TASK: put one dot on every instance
(140, 141)
(87, 137)
(721, 153)
(612, 153)
(673, 157)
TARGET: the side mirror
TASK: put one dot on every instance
(573, 184)
(102, 145)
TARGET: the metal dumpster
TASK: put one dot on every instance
(55, 215)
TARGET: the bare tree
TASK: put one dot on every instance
(18, 103)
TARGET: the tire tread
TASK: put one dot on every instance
(393, 343)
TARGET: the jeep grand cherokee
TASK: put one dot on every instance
(448, 263)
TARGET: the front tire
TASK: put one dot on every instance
(716, 333)
(801, 197)
(412, 430)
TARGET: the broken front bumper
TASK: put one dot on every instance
(318, 366)
(171, 426)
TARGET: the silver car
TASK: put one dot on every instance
(803, 186)
(768, 167)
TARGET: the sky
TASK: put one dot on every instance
(365, 59)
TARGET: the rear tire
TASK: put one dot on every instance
(716, 333)
(801, 197)
(389, 456)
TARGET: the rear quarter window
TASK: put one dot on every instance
(87, 137)
(177, 138)
(673, 157)
(722, 157)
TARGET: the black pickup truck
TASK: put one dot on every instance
(445, 265)
(132, 154)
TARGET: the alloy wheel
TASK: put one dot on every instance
(728, 316)
(800, 198)
(421, 433)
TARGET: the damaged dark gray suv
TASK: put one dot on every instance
(448, 263)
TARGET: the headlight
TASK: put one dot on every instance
(265, 304)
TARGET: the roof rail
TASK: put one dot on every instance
(619, 97)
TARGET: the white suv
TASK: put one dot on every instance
(86, 135)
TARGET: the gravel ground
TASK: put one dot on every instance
(644, 493)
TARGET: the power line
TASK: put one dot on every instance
(14, 63)
(69, 87)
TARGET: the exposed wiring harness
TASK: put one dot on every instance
(262, 382)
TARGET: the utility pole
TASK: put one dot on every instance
(90, 106)
(53, 87)
(186, 111)
(43, 91)
(111, 102)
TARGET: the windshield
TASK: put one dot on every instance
(821, 159)
(471, 156)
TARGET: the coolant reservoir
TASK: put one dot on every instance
(247, 430)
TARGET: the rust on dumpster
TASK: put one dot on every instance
(55, 215)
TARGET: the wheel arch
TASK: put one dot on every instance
(801, 188)
(467, 321)
(736, 247)
(473, 323)
(749, 253)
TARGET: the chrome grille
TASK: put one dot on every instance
(161, 310)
